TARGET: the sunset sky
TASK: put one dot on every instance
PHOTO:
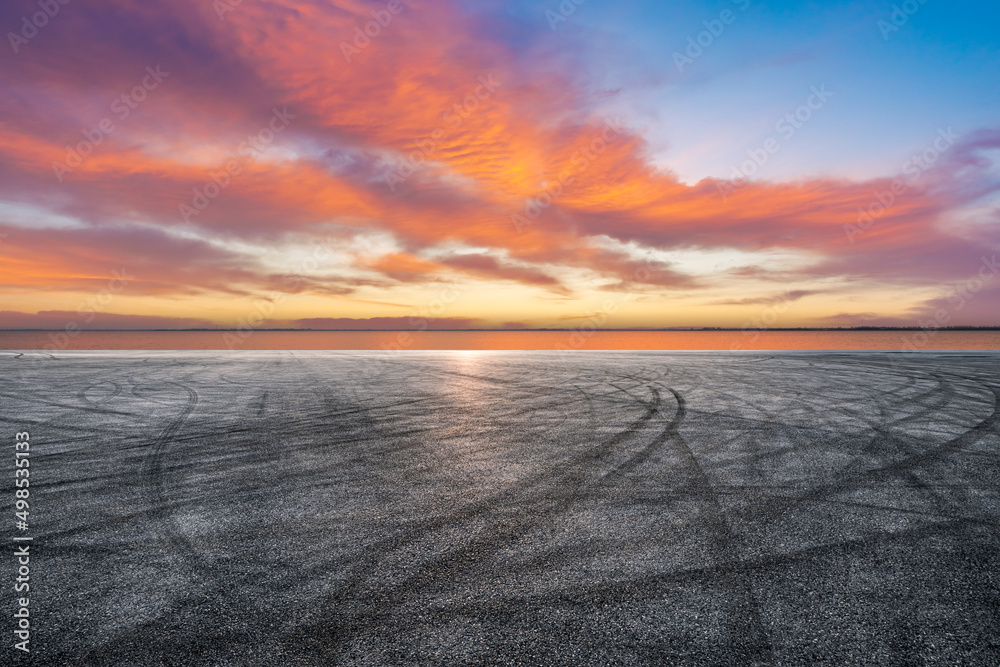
(499, 164)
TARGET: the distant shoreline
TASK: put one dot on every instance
(589, 329)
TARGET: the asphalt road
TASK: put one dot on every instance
(310, 508)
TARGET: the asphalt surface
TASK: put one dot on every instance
(311, 508)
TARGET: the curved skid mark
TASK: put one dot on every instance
(669, 431)
(554, 492)
(82, 394)
(748, 624)
(449, 560)
(154, 481)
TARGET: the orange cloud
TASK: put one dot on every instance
(436, 132)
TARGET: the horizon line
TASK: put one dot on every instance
(576, 329)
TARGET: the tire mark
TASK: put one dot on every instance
(554, 493)
(746, 618)
(154, 479)
(82, 394)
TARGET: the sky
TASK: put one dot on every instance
(487, 164)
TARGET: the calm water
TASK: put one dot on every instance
(503, 340)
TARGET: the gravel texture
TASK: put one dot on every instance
(312, 508)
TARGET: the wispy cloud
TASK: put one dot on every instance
(356, 121)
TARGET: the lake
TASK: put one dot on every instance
(501, 340)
